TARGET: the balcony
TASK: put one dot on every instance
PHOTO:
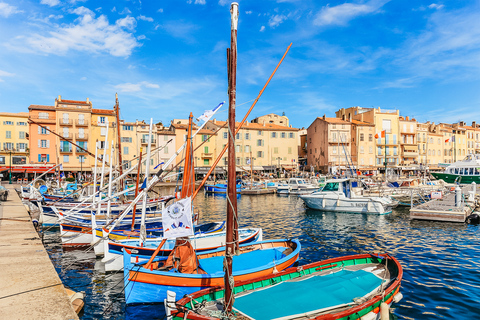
(78, 150)
(65, 122)
(410, 154)
(145, 141)
(207, 155)
(66, 150)
(103, 124)
(81, 136)
(68, 136)
(81, 123)
(38, 119)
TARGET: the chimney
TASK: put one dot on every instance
(263, 122)
(350, 117)
(88, 100)
(59, 98)
(343, 117)
(408, 118)
(214, 120)
(324, 117)
(462, 123)
(474, 124)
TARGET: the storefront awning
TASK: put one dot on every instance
(200, 170)
(26, 168)
(255, 168)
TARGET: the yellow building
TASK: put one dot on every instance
(435, 146)
(363, 145)
(14, 148)
(408, 141)
(384, 120)
(268, 145)
(98, 133)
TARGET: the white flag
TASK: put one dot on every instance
(177, 219)
(209, 113)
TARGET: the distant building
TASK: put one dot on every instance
(14, 134)
(272, 118)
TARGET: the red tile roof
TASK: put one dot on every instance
(74, 102)
(40, 107)
(103, 111)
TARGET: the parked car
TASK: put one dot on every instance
(3, 193)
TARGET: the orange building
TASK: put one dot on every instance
(42, 142)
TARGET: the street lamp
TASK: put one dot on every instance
(10, 173)
(81, 166)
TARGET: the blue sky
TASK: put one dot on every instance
(168, 58)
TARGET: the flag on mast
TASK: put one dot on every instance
(381, 133)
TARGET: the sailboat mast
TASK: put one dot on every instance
(119, 145)
(231, 185)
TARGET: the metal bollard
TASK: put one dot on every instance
(458, 196)
(474, 188)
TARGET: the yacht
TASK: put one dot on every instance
(296, 186)
(463, 171)
(338, 195)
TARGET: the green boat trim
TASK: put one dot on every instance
(454, 178)
(189, 303)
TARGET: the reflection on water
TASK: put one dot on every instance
(440, 260)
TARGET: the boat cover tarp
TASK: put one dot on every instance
(315, 293)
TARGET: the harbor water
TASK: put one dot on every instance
(441, 261)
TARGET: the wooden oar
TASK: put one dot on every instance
(155, 253)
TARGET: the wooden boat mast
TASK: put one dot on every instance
(231, 184)
(119, 144)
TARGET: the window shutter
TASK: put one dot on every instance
(48, 158)
(48, 143)
(39, 158)
(48, 132)
(39, 143)
(39, 130)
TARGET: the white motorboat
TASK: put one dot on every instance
(338, 195)
(296, 186)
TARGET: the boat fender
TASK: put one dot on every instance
(397, 297)
(323, 203)
(369, 316)
(384, 311)
(474, 218)
(169, 304)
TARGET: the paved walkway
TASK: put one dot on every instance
(29, 285)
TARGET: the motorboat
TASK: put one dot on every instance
(339, 195)
(464, 171)
(296, 186)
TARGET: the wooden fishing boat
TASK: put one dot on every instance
(352, 287)
(220, 188)
(113, 252)
(150, 285)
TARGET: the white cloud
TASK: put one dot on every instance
(5, 74)
(248, 12)
(141, 37)
(89, 34)
(7, 10)
(83, 78)
(145, 18)
(75, 1)
(114, 9)
(197, 1)
(262, 29)
(223, 2)
(342, 14)
(276, 20)
(135, 87)
(50, 3)
(160, 10)
(179, 29)
(125, 11)
(436, 6)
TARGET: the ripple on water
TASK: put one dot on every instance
(440, 260)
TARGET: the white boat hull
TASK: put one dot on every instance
(351, 205)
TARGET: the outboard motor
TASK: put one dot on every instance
(474, 218)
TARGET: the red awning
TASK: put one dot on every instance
(26, 168)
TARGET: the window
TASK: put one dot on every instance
(43, 158)
(362, 149)
(81, 158)
(206, 162)
(2, 160)
(44, 143)
(275, 150)
(334, 149)
(260, 143)
(65, 118)
(205, 149)
(387, 125)
(103, 131)
(8, 123)
(204, 137)
(165, 138)
(21, 147)
(247, 148)
(102, 120)
(370, 149)
(259, 154)
(238, 136)
(379, 151)
(126, 139)
(125, 150)
(238, 148)
(151, 162)
(21, 123)
(83, 145)
(81, 119)
(370, 137)
(7, 146)
(8, 135)
(165, 150)
(19, 160)
(362, 137)
(42, 130)
(334, 136)
(289, 150)
(238, 161)
(260, 132)
(274, 134)
(21, 135)
(291, 135)
(247, 136)
(225, 135)
(66, 158)
(126, 164)
(394, 151)
(283, 135)
(127, 128)
(65, 132)
(43, 115)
